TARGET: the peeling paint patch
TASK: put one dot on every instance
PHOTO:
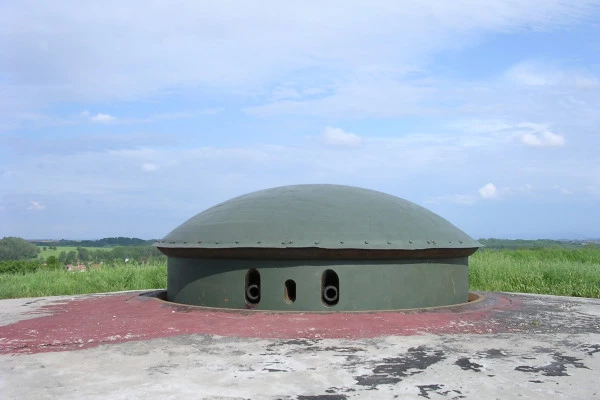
(163, 369)
(590, 349)
(494, 353)
(393, 369)
(425, 390)
(558, 367)
(467, 365)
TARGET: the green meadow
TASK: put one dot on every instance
(105, 279)
(46, 251)
(556, 271)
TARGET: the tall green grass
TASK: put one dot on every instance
(555, 271)
(106, 279)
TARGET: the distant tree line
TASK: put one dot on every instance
(493, 243)
(105, 242)
(25, 266)
(17, 255)
(120, 254)
(14, 248)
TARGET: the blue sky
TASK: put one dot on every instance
(127, 118)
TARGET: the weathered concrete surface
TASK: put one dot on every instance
(110, 346)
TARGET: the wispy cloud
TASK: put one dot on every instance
(358, 95)
(537, 74)
(174, 115)
(529, 133)
(99, 118)
(488, 191)
(102, 118)
(563, 191)
(252, 47)
(338, 137)
(543, 139)
(36, 206)
(149, 167)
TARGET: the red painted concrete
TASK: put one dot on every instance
(92, 321)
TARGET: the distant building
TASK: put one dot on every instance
(76, 268)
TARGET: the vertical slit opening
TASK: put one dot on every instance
(252, 286)
(330, 288)
(290, 291)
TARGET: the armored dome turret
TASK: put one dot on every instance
(295, 247)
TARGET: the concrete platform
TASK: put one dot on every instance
(132, 345)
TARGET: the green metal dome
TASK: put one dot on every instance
(317, 248)
(332, 217)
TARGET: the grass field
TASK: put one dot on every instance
(107, 279)
(562, 272)
(51, 252)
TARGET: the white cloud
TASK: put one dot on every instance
(488, 191)
(99, 118)
(337, 137)
(159, 116)
(562, 190)
(102, 118)
(524, 74)
(149, 167)
(543, 139)
(36, 206)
